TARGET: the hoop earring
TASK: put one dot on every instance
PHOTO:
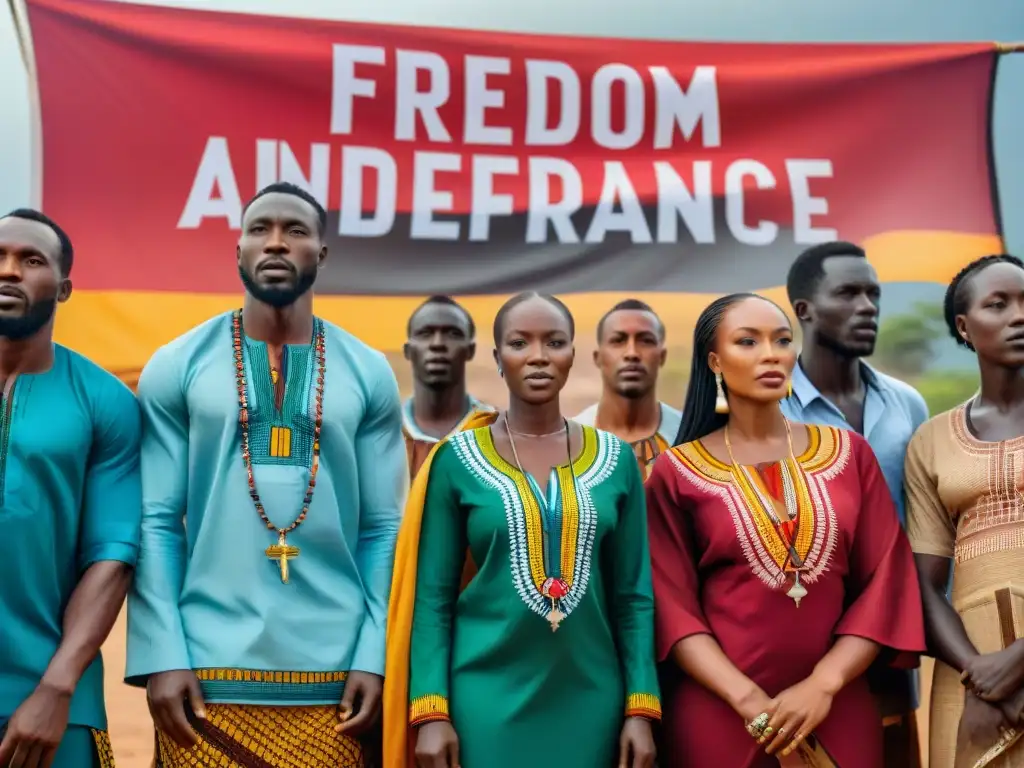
(721, 404)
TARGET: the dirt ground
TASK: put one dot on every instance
(131, 729)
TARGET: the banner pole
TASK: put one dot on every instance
(1003, 48)
(23, 29)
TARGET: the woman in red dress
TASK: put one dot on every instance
(780, 567)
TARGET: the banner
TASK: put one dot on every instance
(481, 163)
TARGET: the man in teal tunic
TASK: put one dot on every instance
(274, 474)
(70, 504)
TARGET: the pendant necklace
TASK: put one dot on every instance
(794, 485)
(282, 552)
(554, 588)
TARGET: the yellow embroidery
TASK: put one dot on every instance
(280, 442)
(531, 508)
(745, 495)
(643, 705)
(268, 676)
(104, 751)
(425, 709)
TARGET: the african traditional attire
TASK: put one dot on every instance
(418, 443)
(720, 568)
(208, 597)
(964, 503)
(70, 498)
(516, 692)
(646, 449)
(893, 410)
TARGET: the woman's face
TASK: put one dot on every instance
(535, 353)
(754, 351)
(994, 321)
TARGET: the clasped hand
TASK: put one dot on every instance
(792, 715)
(996, 676)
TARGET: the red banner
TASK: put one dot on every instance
(482, 163)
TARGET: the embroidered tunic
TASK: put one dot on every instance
(69, 498)
(517, 693)
(646, 449)
(719, 569)
(206, 596)
(964, 503)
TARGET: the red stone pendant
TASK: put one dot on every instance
(554, 589)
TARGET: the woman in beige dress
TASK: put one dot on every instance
(965, 510)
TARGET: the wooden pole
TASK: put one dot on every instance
(1010, 47)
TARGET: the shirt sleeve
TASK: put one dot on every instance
(930, 527)
(112, 504)
(632, 594)
(678, 613)
(442, 553)
(883, 593)
(156, 639)
(382, 467)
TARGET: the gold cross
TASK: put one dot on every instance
(282, 552)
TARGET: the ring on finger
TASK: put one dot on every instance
(766, 734)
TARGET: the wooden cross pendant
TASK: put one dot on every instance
(282, 552)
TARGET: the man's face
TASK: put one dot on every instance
(439, 345)
(280, 249)
(843, 313)
(31, 283)
(630, 352)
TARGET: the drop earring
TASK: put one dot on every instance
(721, 404)
(789, 388)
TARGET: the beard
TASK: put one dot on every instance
(279, 296)
(36, 315)
(845, 350)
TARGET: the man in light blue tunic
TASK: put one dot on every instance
(70, 511)
(274, 474)
(835, 294)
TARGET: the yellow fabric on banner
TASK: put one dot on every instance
(400, 610)
(120, 330)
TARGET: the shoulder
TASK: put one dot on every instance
(671, 418)
(108, 396)
(906, 394)
(937, 430)
(170, 359)
(587, 416)
(369, 365)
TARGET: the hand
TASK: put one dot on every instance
(1013, 709)
(36, 728)
(437, 745)
(981, 726)
(166, 693)
(795, 713)
(360, 706)
(637, 742)
(755, 703)
(996, 676)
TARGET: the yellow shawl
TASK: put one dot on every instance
(397, 744)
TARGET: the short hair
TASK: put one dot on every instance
(445, 301)
(958, 294)
(630, 304)
(287, 188)
(519, 298)
(67, 251)
(808, 269)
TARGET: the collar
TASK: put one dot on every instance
(806, 393)
(413, 430)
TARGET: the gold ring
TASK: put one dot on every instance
(767, 732)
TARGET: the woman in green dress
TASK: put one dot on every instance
(546, 656)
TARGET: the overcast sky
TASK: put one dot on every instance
(753, 20)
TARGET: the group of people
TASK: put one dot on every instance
(320, 575)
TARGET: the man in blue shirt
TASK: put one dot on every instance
(835, 294)
(70, 506)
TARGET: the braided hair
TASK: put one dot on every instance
(699, 417)
(958, 295)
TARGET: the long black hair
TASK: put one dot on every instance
(699, 417)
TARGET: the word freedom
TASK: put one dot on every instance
(627, 144)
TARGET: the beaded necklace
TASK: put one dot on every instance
(282, 551)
